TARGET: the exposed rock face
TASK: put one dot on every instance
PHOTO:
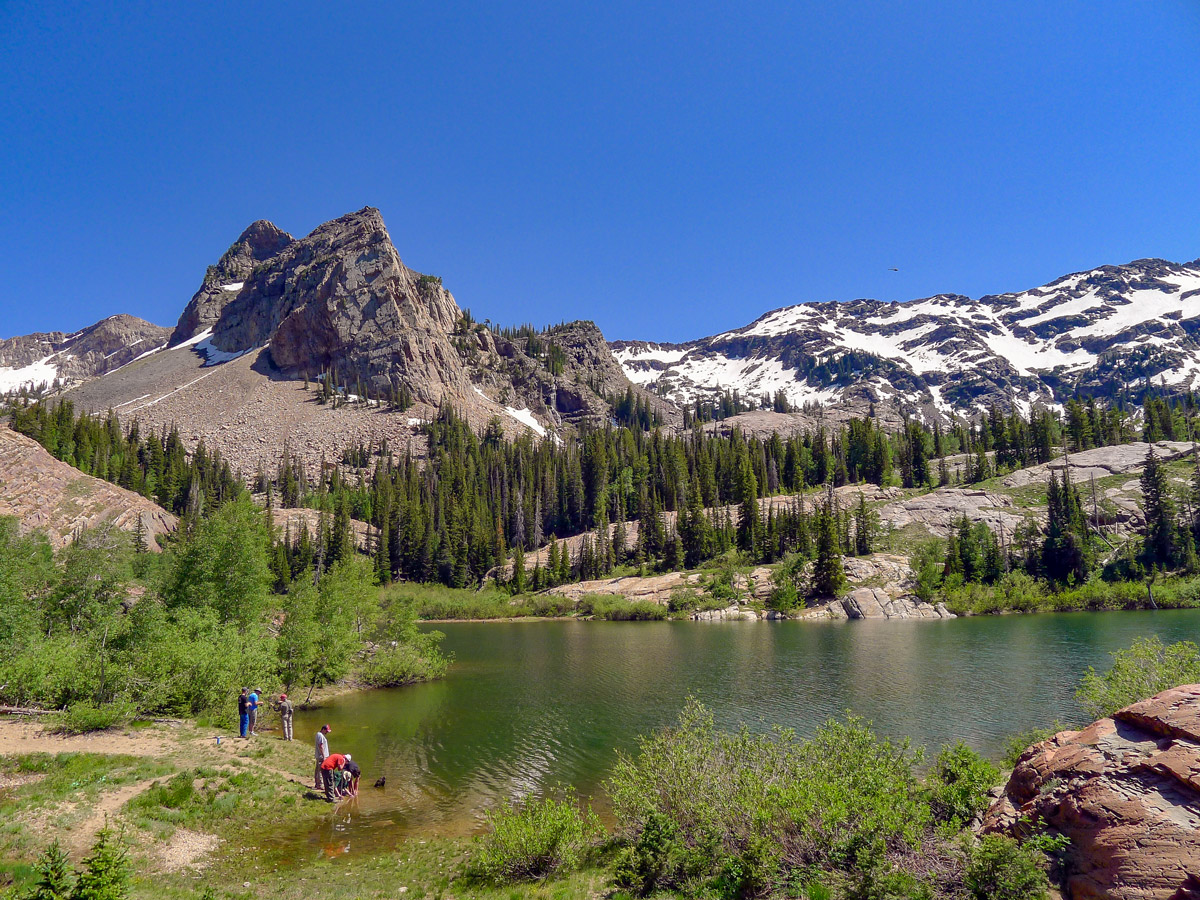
(1122, 459)
(341, 300)
(876, 603)
(938, 510)
(880, 589)
(48, 495)
(37, 359)
(1126, 790)
(224, 281)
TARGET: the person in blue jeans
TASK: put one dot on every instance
(254, 711)
(244, 711)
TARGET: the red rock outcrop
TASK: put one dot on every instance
(46, 494)
(1126, 791)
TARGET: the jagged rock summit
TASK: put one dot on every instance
(258, 243)
(338, 301)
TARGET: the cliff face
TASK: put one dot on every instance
(1126, 790)
(222, 282)
(337, 300)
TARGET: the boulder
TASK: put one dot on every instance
(729, 614)
(876, 603)
(1126, 791)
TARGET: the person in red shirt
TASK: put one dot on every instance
(334, 761)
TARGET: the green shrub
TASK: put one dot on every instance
(959, 785)
(404, 663)
(733, 813)
(1138, 672)
(534, 838)
(84, 716)
(618, 609)
(1001, 869)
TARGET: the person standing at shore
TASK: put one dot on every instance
(322, 752)
(286, 711)
(254, 711)
(244, 712)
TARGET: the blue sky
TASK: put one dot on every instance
(669, 170)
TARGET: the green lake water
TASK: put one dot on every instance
(527, 706)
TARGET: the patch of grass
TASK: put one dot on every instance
(218, 802)
(68, 775)
(435, 601)
(619, 609)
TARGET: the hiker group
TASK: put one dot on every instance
(335, 773)
(249, 702)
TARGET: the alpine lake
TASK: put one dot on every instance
(531, 706)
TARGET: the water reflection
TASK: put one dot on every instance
(530, 705)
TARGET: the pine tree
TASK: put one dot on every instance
(862, 528)
(747, 528)
(518, 577)
(828, 577)
(1161, 545)
(55, 880)
(105, 875)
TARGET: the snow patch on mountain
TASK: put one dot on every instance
(1093, 332)
(42, 372)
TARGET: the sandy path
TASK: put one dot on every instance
(20, 736)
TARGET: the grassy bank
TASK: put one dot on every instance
(1017, 592)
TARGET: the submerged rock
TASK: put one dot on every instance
(1126, 791)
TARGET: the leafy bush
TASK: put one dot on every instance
(1001, 869)
(404, 663)
(532, 839)
(1138, 672)
(733, 813)
(619, 609)
(84, 716)
(959, 785)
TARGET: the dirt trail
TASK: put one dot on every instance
(20, 736)
(183, 747)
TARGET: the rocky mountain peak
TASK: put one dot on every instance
(1102, 332)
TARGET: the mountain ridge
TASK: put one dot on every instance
(948, 353)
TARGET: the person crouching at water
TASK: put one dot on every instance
(353, 773)
(322, 753)
(334, 762)
(286, 711)
(244, 712)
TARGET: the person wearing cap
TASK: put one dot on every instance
(254, 695)
(322, 752)
(243, 712)
(334, 762)
(286, 710)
